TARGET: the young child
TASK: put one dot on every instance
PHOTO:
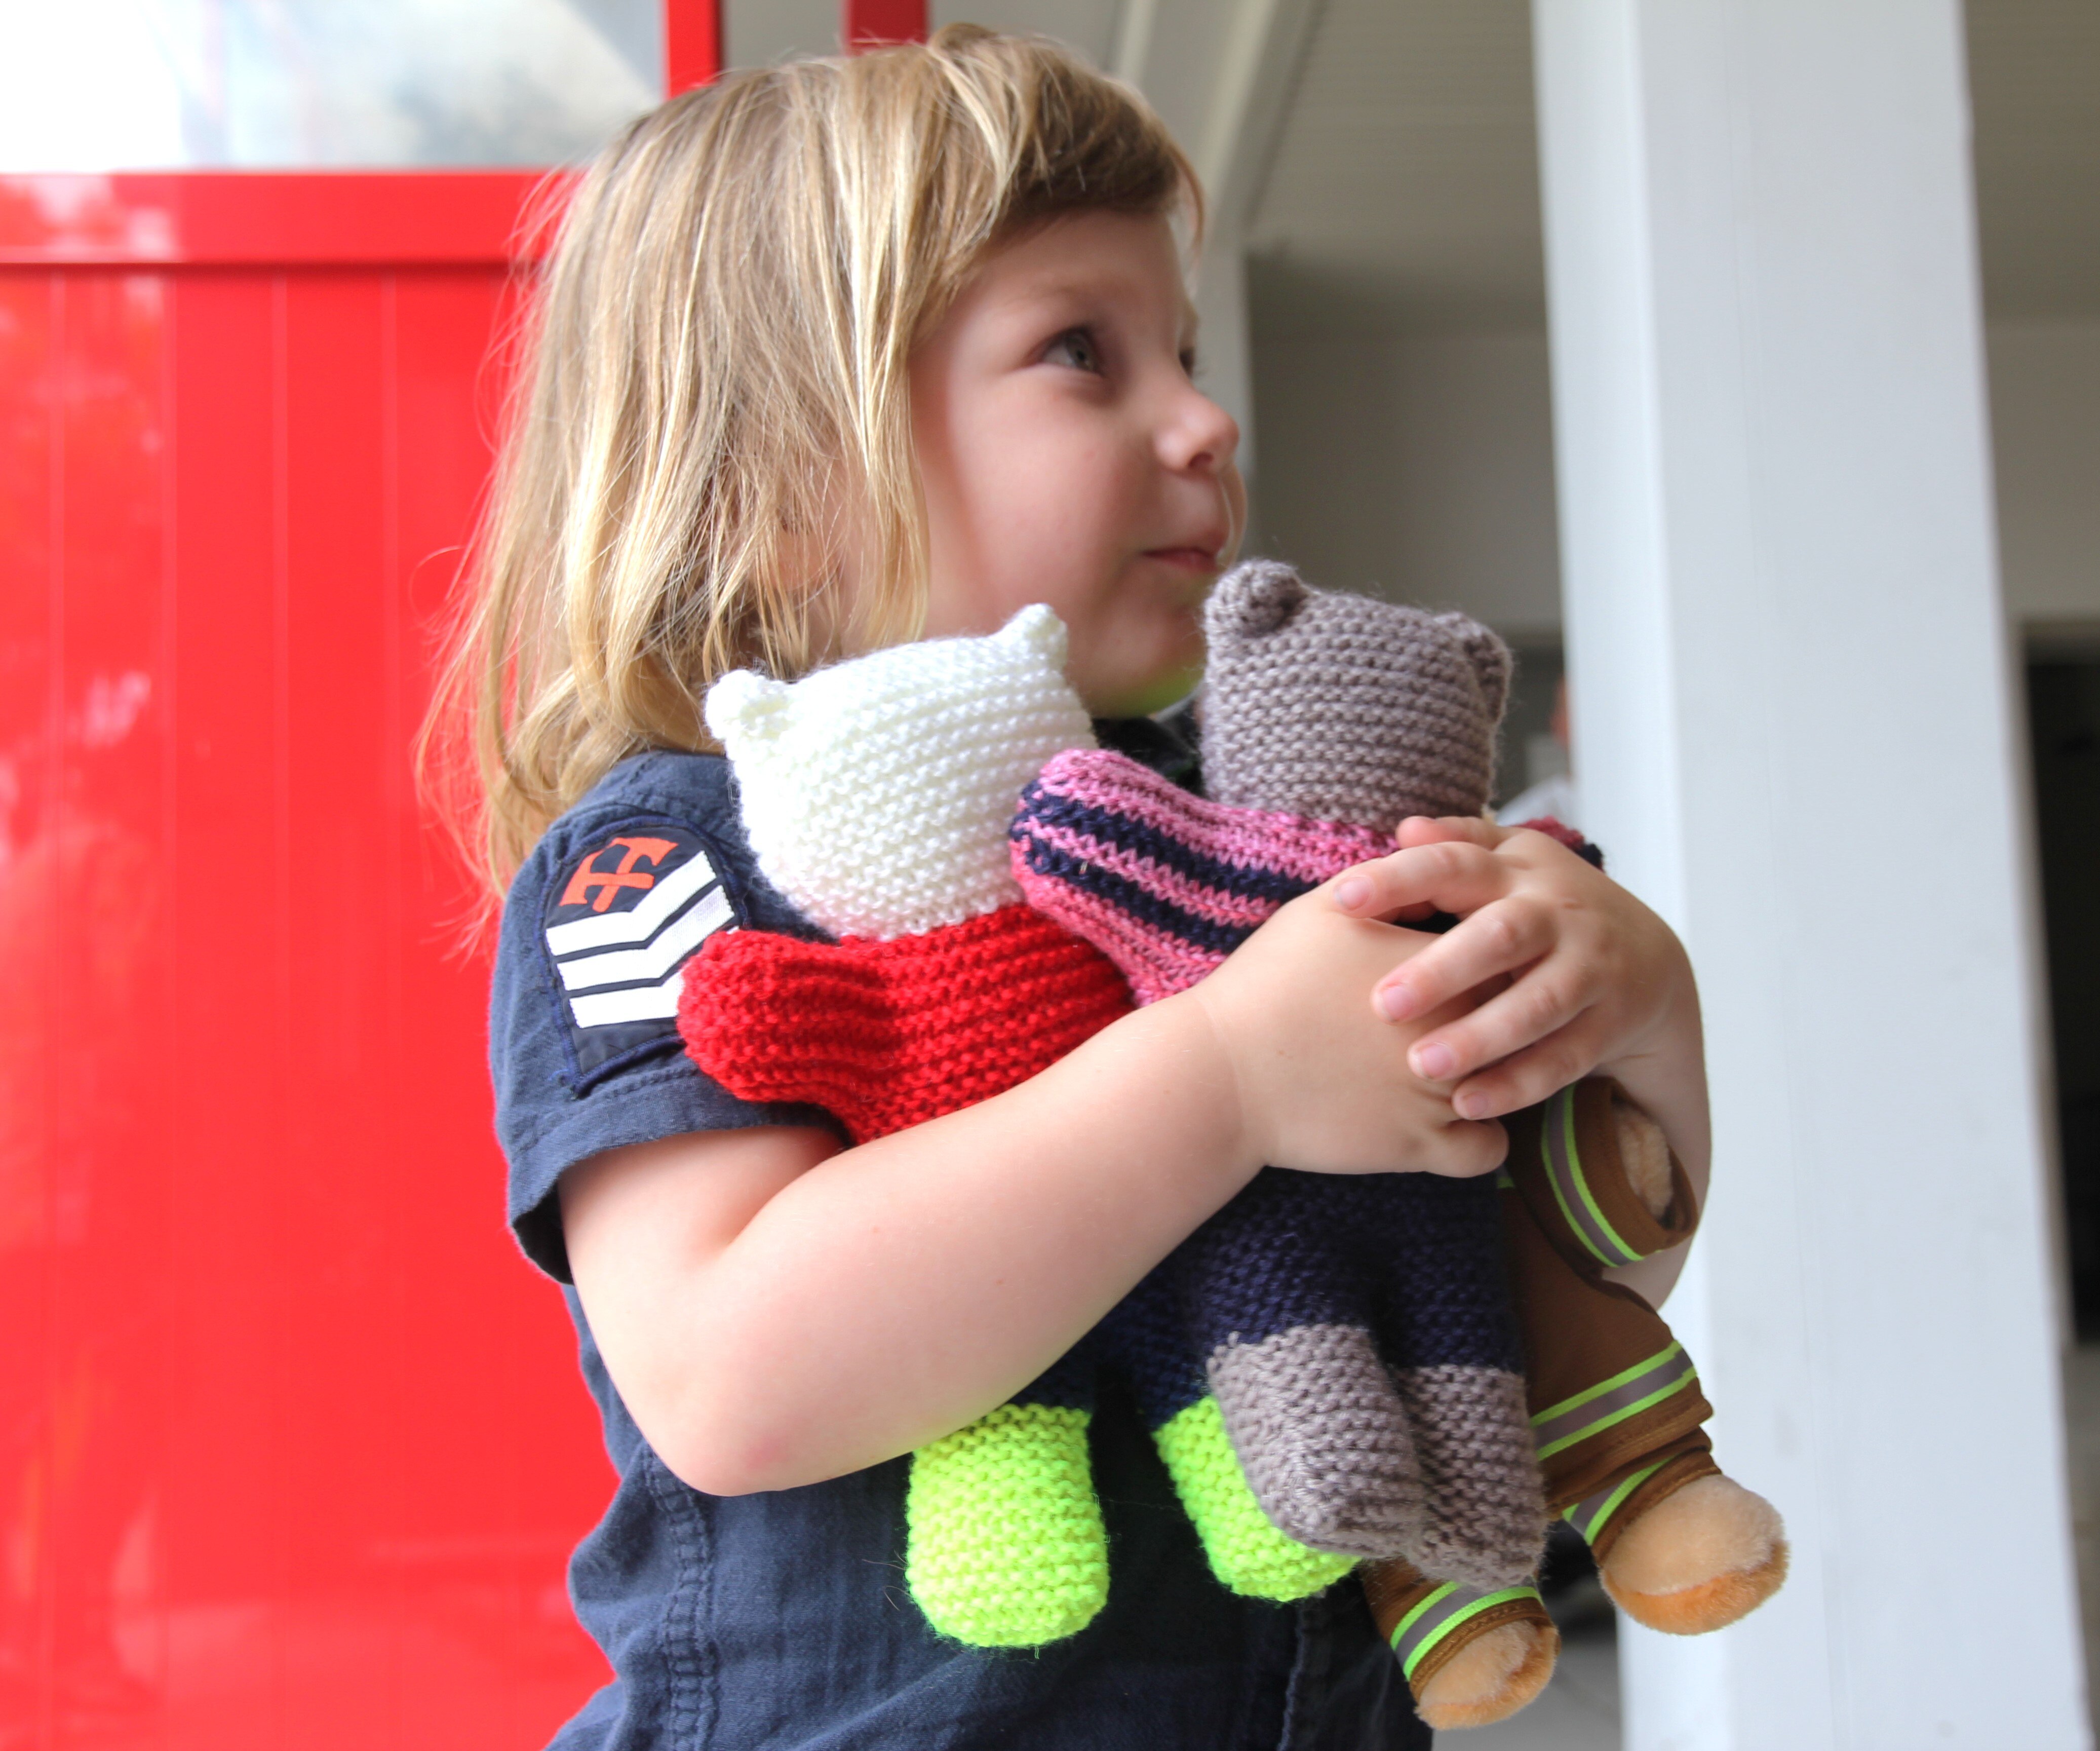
(829, 356)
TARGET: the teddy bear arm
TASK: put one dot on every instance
(885, 1035)
(1165, 884)
(774, 1018)
(1653, 1169)
(1598, 1176)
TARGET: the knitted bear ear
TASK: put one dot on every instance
(1036, 629)
(743, 707)
(1489, 656)
(1255, 599)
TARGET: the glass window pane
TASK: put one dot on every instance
(102, 85)
(1089, 26)
(760, 33)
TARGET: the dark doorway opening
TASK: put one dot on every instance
(2063, 716)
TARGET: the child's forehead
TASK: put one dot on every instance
(1092, 255)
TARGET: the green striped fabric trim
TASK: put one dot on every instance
(1441, 1612)
(1571, 1189)
(1627, 1394)
(1592, 1514)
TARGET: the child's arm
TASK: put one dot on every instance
(776, 1310)
(1595, 982)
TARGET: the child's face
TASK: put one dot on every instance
(1066, 458)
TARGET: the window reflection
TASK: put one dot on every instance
(97, 85)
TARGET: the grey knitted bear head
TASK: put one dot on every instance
(1343, 708)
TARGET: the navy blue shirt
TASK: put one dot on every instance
(780, 1619)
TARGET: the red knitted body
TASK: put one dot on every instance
(884, 1035)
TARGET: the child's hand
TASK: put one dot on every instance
(1577, 974)
(1322, 1080)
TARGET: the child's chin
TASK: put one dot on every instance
(1142, 697)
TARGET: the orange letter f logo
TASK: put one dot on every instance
(610, 882)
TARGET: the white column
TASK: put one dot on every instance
(1795, 734)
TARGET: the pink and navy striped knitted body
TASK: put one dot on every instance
(1357, 1330)
(1112, 850)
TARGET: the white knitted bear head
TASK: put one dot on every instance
(877, 794)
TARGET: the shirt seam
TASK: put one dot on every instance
(694, 1706)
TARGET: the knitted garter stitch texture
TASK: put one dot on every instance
(887, 1035)
(1357, 1332)
(865, 787)
(1345, 708)
(942, 994)
(1165, 883)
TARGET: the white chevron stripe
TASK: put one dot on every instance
(641, 1003)
(644, 920)
(623, 966)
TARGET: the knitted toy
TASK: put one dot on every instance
(877, 796)
(1328, 719)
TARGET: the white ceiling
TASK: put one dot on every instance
(1403, 190)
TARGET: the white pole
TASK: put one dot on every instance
(1794, 736)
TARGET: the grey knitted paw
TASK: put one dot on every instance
(1323, 1439)
(1484, 1519)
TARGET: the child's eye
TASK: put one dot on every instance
(1076, 348)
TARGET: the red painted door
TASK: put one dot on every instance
(293, 1447)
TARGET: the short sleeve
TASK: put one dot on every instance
(598, 930)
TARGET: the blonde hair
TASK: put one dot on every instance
(713, 396)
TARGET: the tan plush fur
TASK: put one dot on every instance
(1710, 1553)
(1489, 1679)
(1646, 1152)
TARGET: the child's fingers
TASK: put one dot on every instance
(1465, 1150)
(1470, 829)
(1543, 1005)
(1500, 938)
(1454, 875)
(1527, 1078)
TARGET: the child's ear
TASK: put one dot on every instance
(1489, 656)
(1036, 628)
(1254, 600)
(744, 707)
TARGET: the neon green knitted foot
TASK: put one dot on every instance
(1007, 1548)
(1247, 1554)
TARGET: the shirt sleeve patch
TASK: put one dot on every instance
(620, 923)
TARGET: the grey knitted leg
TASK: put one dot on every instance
(1323, 1439)
(1485, 1509)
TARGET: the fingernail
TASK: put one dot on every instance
(1469, 1105)
(1433, 1062)
(1351, 891)
(1395, 1002)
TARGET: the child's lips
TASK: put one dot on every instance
(1185, 559)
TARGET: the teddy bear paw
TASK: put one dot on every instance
(1699, 1560)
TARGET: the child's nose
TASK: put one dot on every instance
(1203, 437)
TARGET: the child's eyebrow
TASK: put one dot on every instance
(1055, 288)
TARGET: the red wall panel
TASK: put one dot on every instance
(292, 1444)
(869, 23)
